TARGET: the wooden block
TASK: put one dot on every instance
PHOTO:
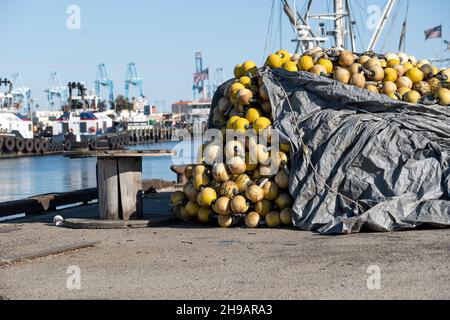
(130, 187)
(108, 189)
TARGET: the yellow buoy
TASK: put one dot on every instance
(270, 189)
(206, 197)
(192, 208)
(415, 75)
(249, 67)
(225, 221)
(305, 63)
(242, 181)
(252, 115)
(284, 55)
(401, 91)
(390, 74)
(443, 96)
(204, 215)
(252, 219)
(238, 71)
(254, 193)
(231, 122)
(239, 205)
(327, 64)
(286, 216)
(412, 97)
(274, 61)
(234, 89)
(200, 180)
(241, 125)
(290, 66)
(263, 207)
(284, 200)
(229, 189)
(273, 219)
(392, 63)
(261, 123)
(245, 81)
(222, 206)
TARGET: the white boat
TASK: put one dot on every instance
(11, 123)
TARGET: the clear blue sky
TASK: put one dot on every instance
(162, 36)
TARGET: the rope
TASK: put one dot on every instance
(269, 32)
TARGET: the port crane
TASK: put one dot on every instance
(201, 78)
(56, 93)
(218, 79)
(132, 79)
(21, 94)
(103, 80)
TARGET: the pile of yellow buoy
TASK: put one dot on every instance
(399, 76)
(242, 189)
(232, 182)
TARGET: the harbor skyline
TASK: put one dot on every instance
(117, 33)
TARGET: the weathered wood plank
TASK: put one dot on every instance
(47, 252)
(108, 189)
(130, 187)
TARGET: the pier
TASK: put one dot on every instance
(178, 260)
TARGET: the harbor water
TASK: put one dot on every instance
(28, 176)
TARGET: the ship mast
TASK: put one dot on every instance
(339, 24)
(306, 37)
(381, 24)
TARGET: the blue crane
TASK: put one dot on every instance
(56, 93)
(132, 78)
(103, 80)
(20, 93)
(201, 78)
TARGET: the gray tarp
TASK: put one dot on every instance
(392, 158)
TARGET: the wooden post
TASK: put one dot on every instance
(108, 199)
(120, 188)
(130, 187)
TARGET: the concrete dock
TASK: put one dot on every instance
(184, 261)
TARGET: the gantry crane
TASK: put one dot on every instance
(219, 78)
(201, 79)
(20, 93)
(132, 78)
(103, 80)
(56, 93)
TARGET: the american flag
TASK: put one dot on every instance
(433, 33)
(201, 76)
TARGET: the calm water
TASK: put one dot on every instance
(24, 177)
